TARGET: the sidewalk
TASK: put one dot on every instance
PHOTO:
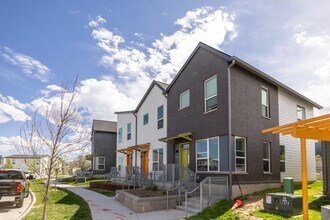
(104, 208)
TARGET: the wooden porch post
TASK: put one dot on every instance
(304, 178)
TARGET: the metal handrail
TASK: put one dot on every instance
(192, 191)
(172, 190)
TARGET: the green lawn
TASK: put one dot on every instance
(62, 204)
(315, 202)
(222, 209)
(72, 181)
(103, 192)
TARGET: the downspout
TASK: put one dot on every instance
(136, 126)
(230, 190)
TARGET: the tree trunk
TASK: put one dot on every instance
(47, 192)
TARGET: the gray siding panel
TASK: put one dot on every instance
(224, 153)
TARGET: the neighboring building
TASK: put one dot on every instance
(39, 163)
(1, 162)
(206, 107)
(139, 131)
(104, 136)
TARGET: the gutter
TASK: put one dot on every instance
(230, 190)
(135, 155)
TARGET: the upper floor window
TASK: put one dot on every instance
(240, 154)
(129, 131)
(266, 157)
(120, 135)
(265, 102)
(301, 113)
(282, 158)
(207, 154)
(160, 117)
(185, 99)
(145, 119)
(210, 94)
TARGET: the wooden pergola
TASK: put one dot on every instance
(317, 128)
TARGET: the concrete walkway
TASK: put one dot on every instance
(104, 207)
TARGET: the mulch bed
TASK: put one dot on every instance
(143, 193)
(107, 185)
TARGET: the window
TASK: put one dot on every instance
(184, 99)
(282, 158)
(100, 163)
(160, 117)
(157, 159)
(120, 135)
(129, 131)
(240, 154)
(265, 102)
(207, 154)
(120, 160)
(266, 157)
(210, 94)
(301, 113)
(145, 119)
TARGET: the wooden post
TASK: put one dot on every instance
(304, 178)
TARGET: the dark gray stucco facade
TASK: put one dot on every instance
(104, 140)
(247, 120)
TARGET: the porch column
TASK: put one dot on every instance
(304, 178)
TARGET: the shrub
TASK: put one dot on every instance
(152, 187)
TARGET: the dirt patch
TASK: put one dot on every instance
(143, 193)
(109, 186)
(251, 204)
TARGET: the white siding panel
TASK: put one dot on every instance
(122, 121)
(288, 114)
(149, 133)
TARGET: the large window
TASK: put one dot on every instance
(265, 102)
(120, 135)
(282, 158)
(129, 131)
(240, 154)
(120, 160)
(266, 157)
(207, 154)
(160, 117)
(301, 113)
(100, 163)
(210, 94)
(157, 159)
(145, 119)
(184, 99)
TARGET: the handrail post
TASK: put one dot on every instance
(210, 181)
(173, 175)
(179, 194)
(167, 200)
(186, 203)
(201, 197)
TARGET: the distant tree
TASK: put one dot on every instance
(55, 130)
(8, 164)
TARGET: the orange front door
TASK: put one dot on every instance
(144, 162)
(129, 160)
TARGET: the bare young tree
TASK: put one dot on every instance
(55, 130)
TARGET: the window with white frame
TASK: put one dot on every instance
(282, 158)
(120, 135)
(120, 160)
(129, 131)
(240, 154)
(145, 119)
(301, 113)
(160, 117)
(207, 154)
(210, 94)
(184, 99)
(100, 163)
(265, 102)
(266, 157)
(157, 159)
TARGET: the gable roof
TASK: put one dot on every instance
(104, 126)
(162, 86)
(246, 66)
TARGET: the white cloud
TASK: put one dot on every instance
(97, 22)
(12, 110)
(30, 66)
(311, 41)
(6, 146)
(136, 68)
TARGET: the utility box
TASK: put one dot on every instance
(288, 185)
(283, 203)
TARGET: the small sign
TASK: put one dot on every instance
(268, 199)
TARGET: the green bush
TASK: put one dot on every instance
(152, 187)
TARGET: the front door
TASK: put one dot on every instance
(184, 158)
(144, 161)
(129, 160)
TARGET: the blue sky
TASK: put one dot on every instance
(117, 47)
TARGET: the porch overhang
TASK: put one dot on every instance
(185, 136)
(128, 150)
(142, 147)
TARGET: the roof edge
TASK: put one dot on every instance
(125, 112)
